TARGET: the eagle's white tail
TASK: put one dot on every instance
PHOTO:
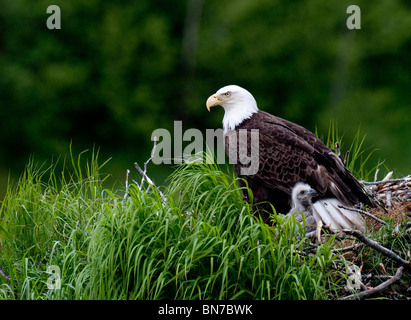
(337, 218)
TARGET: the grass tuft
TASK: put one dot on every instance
(202, 242)
(63, 236)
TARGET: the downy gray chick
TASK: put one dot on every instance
(301, 205)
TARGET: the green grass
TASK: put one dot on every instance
(358, 157)
(198, 242)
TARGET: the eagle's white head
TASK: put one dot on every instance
(238, 104)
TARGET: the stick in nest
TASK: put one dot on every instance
(405, 179)
(375, 245)
(382, 286)
(363, 212)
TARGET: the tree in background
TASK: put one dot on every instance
(117, 71)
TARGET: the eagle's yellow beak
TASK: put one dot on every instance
(214, 100)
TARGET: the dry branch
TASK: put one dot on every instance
(404, 179)
(144, 176)
(144, 172)
(363, 212)
(382, 286)
(388, 189)
(126, 194)
(376, 174)
(63, 235)
(348, 248)
(375, 245)
(4, 274)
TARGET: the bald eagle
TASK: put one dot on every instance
(288, 153)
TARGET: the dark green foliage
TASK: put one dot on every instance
(117, 71)
(199, 242)
(197, 239)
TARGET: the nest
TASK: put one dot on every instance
(387, 189)
(394, 196)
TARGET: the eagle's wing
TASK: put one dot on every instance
(289, 153)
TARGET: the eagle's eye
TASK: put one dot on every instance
(227, 94)
(303, 192)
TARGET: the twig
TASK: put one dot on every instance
(144, 172)
(375, 245)
(147, 178)
(405, 179)
(388, 198)
(382, 286)
(4, 274)
(152, 154)
(144, 176)
(363, 212)
(376, 174)
(348, 248)
(311, 234)
(318, 230)
(338, 151)
(126, 194)
(63, 235)
(337, 147)
(381, 277)
(346, 157)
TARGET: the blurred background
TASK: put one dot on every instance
(117, 70)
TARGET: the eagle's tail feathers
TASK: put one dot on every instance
(337, 218)
(321, 213)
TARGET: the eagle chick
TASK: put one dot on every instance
(301, 204)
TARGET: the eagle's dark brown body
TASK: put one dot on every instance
(289, 153)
